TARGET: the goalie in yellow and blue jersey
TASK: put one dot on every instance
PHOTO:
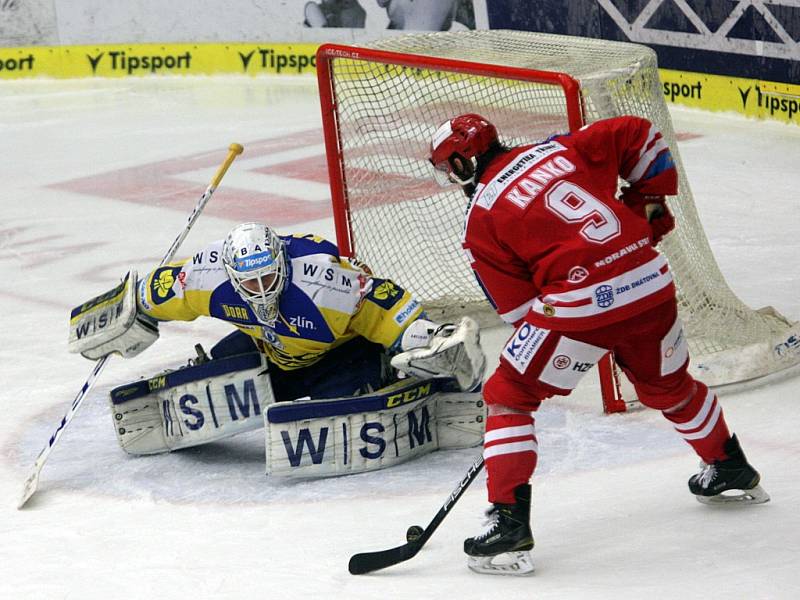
(309, 324)
(324, 321)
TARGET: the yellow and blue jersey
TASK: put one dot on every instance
(326, 301)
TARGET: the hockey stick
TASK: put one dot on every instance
(366, 562)
(29, 489)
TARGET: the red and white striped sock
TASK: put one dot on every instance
(510, 452)
(702, 424)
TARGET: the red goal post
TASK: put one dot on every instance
(330, 56)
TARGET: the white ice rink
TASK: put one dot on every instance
(98, 176)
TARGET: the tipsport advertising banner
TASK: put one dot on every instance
(751, 97)
(134, 60)
(726, 55)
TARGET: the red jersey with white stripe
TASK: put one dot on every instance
(548, 238)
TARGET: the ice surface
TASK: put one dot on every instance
(100, 175)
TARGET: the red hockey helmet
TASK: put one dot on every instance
(465, 137)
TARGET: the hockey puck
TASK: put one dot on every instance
(414, 533)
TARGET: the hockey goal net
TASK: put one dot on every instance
(380, 105)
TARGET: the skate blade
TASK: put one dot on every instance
(507, 563)
(756, 495)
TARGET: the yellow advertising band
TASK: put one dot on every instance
(130, 60)
(751, 97)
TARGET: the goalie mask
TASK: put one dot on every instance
(255, 261)
(456, 146)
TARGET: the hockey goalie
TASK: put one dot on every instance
(339, 366)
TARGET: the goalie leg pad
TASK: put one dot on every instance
(410, 418)
(460, 419)
(192, 406)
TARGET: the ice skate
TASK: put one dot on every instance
(504, 549)
(734, 474)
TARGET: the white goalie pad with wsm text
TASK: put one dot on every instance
(320, 438)
(193, 405)
(220, 398)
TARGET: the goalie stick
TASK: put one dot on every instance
(32, 482)
(366, 562)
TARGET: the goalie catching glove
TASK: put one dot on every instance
(432, 350)
(111, 322)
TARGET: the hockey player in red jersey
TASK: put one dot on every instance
(573, 266)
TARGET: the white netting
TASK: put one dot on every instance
(406, 227)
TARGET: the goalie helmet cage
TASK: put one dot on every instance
(380, 106)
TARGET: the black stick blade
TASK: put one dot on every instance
(366, 562)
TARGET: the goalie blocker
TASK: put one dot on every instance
(111, 323)
(220, 398)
